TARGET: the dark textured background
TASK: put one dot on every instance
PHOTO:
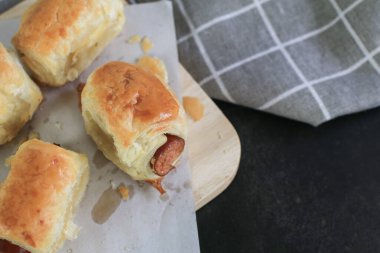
(299, 188)
(6, 4)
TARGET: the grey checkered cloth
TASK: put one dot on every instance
(308, 60)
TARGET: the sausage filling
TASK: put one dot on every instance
(7, 247)
(167, 154)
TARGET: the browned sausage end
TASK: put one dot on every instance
(167, 154)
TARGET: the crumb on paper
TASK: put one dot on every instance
(69, 250)
(220, 136)
(58, 125)
(8, 161)
(126, 249)
(155, 66)
(164, 197)
(146, 44)
(193, 107)
(124, 192)
(33, 135)
(113, 185)
(80, 88)
(134, 39)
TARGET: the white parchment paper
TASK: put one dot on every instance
(146, 222)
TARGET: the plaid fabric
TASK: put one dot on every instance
(307, 60)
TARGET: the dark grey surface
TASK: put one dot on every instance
(299, 188)
(6, 4)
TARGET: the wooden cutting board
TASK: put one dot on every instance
(214, 146)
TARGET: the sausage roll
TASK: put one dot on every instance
(19, 96)
(58, 39)
(39, 196)
(135, 120)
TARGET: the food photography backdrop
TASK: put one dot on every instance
(299, 80)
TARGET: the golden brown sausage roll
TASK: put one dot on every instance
(135, 119)
(58, 39)
(19, 96)
(39, 196)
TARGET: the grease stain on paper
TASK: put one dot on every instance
(107, 204)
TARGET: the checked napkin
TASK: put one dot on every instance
(308, 60)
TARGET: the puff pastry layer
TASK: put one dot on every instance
(19, 96)
(58, 39)
(39, 196)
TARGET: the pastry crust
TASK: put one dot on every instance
(58, 39)
(19, 96)
(128, 112)
(38, 198)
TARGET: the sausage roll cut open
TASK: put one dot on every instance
(19, 96)
(58, 39)
(135, 120)
(38, 198)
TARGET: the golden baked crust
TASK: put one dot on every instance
(128, 111)
(38, 197)
(58, 39)
(19, 96)
(130, 99)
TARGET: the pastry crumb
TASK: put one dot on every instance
(113, 185)
(154, 65)
(146, 44)
(220, 136)
(124, 192)
(193, 107)
(58, 125)
(33, 135)
(126, 249)
(164, 197)
(134, 39)
(8, 161)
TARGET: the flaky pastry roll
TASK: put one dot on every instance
(135, 120)
(58, 39)
(39, 196)
(19, 96)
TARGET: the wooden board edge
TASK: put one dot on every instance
(204, 192)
